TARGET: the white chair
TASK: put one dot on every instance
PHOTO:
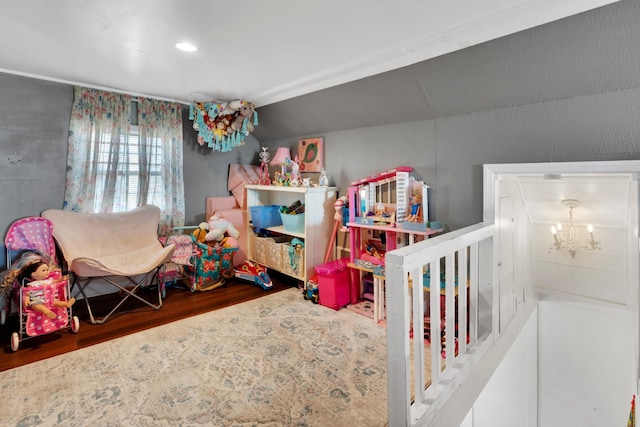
(108, 245)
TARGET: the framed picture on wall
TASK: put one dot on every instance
(311, 154)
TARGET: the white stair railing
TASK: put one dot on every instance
(414, 391)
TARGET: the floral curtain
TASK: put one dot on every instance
(161, 148)
(98, 129)
(113, 166)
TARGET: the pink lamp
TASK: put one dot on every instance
(282, 158)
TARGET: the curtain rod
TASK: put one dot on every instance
(135, 95)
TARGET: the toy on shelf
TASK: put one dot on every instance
(387, 210)
(323, 181)
(389, 198)
(283, 159)
(415, 214)
(295, 180)
(373, 252)
(264, 155)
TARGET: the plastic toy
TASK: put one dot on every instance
(255, 273)
(311, 292)
(295, 181)
(264, 167)
(415, 214)
(323, 181)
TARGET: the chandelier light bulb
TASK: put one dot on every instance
(568, 237)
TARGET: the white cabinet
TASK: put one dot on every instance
(275, 252)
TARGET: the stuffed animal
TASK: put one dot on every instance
(219, 228)
(229, 242)
(245, 112)
(200, 233)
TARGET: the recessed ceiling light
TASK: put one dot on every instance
(187, 47)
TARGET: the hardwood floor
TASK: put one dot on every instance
(178, 304)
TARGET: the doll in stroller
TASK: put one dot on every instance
(41, 295)
(36, 276)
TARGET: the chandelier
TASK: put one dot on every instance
(567, 236)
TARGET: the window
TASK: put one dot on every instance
(128, 175)
(124, 154)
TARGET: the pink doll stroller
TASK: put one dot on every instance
(28, 241)
(181, 265)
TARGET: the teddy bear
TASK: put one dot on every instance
(245, 112)
(219, 228)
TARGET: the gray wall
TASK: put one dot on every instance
(448, 153)
(585, 54)
(34, 126)
(206, 171)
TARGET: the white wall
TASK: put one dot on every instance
(586, 367)
(572, 365)
(598, 274)
(510, 397)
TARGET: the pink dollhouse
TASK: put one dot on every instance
(386, 211)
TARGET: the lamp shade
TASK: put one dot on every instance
(281, 156)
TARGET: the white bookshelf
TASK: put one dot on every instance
(318, 222)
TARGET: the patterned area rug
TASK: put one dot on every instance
(363, 307)
(274, 361)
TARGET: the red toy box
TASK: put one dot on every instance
(334, 283)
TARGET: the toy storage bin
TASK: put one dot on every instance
(293, 223)
(334, 283)
(274, 252)
(259, 248)
(266, 250)
(265, 216)
(292, 261)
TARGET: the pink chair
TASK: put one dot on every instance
(233, 208)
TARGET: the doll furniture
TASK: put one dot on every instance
(109, 246)
(233, 208)
(33, 323)
(29, 240)
(26, 234)
(386, 211)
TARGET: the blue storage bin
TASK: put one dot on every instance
(293, 223)
(265, 216)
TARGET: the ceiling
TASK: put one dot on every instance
(263, 52)
(604, 198)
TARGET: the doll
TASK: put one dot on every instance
(416, 208)
(295, 173)
(37, 274)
